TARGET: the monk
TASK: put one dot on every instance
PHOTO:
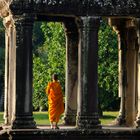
(55, 101)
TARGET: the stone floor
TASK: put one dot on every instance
(43, 132)
(110, 127)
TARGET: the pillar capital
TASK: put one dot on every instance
(70, 26)
(21, 21)
(4, 8)
(89, 22)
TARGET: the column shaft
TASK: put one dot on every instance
(71, 72)
(87, 74)
(6, 114)
(122, 75)
(131, 77)
(137, 123)
(11, 79)
(23, 91)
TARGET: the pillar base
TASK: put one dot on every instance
(24, 122)
(120, 120)
(89, 122)
(69, 119)
(137, 122)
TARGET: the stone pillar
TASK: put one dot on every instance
(23, 89)
(127, 70)
(131, 66)
(122, 48)
(6, 116)
(71, 31)
(88, 117)
(12, 74)
(9, 69)
(137, 123)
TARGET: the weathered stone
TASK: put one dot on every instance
(71, 71)
(78, 7)
(87, 74)
(23, 117)
(71, 134)
(119, 28)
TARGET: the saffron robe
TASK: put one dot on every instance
(55, 101)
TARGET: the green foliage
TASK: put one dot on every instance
(38, 37)
(2, 54)
(2, 35)
(2, 49)
(55, 50)
(108, 68)
(39, 83)
(48, 59)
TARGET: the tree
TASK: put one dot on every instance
(108, 68)
(48, 59)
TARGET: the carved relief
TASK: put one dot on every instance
(4, 8)
(77, 7)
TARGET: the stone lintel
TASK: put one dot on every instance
(122, 23)
(78, 7)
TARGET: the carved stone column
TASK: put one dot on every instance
(137, 123)
(6, 112)
(88, 117)
(71, 72)
(122, 48)
(23, 88)
(127, 70)
(131, 65)
(9, 69)
(11, 74)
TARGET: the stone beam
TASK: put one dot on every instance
(78, 7)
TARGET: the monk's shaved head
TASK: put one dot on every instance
(55, 77)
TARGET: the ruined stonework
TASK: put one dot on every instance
(78, 7)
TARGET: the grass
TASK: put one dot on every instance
(41, 118)
(109, 117)
(1, 118)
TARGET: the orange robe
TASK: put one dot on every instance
(55, 101)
